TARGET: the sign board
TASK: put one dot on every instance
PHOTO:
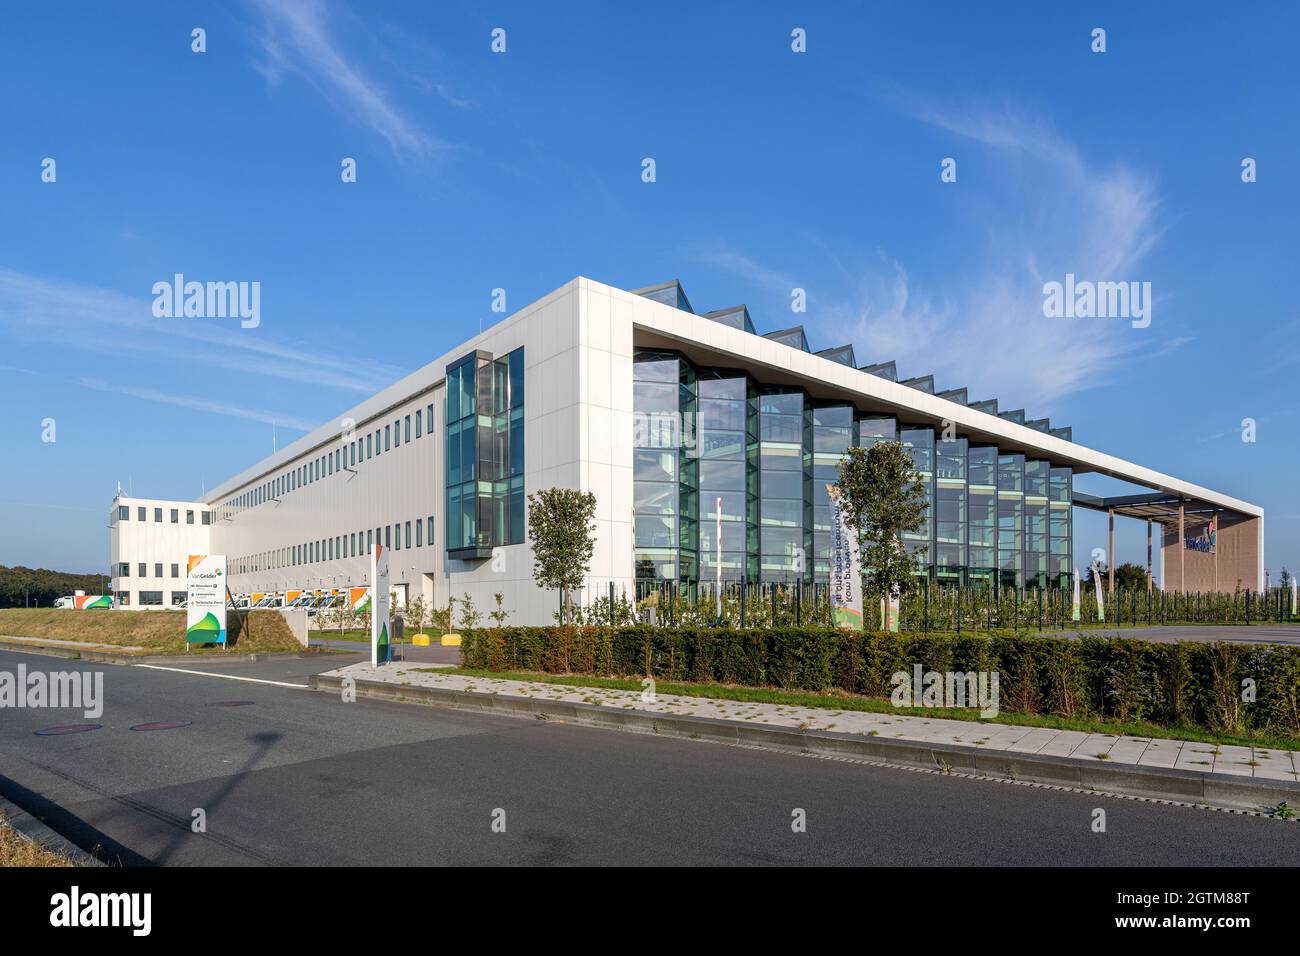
(1096, 581)
(358, 599)
(88, 602)
(1205, 542)
(846, 568)
(205, 611)
(381, 651)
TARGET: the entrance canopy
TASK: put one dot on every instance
(1157, 506)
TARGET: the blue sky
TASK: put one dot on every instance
(521, 170)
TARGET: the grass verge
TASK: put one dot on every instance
(839, 700)
(158, 632)
(17, 850)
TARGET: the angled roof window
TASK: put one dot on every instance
(886, 370)
(957, 395)
(989, 405)
(842, 354)
(922, 383)
(792, 337)
(737, 317)
(669, 293)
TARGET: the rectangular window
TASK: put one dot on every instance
(140, 514)
(330, 464)
(123, 513)
(369, 449)
(189, 517)
(124, 570)
(408, 428)
(428, 417)
(388, 537)
(418, 417)
(157, 570)
(176, 516)
(419, 540)
(352, 544)
(143, 570)
(387, 437)
(207, 517)
(178, 598)
(370, 542)
(157, 515)
(176, 570)
(397, 433)
(429, 533)
(151, 598)
(408, 534)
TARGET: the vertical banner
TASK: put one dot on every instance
(205, 610)
(1096, 580)
(381, 651)
(846, 568)
(1075, 614)
(358, 598)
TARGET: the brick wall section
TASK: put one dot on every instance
(1235, 564)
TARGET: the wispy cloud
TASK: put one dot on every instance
(194, 402)
(298, 36)
(981, 324)
(100, 321)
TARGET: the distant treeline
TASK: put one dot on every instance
(23, 587)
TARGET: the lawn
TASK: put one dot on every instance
(840, 700)
(158, 632)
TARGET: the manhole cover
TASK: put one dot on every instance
(68, 729)
(163, 725)
(231, 703)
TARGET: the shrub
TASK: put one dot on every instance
(1171, 684)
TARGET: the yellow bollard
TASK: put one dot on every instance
(420, 640)
(451, 640)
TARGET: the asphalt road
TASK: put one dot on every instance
(1202, 633)
(286, 775)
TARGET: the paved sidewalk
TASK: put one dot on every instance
(1260, 763)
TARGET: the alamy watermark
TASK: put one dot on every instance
(1083, 299)
(924, 688)
(208, 300)
(72, 690)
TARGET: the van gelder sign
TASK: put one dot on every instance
(1204, 542)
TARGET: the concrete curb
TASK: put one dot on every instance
(109, 657)
(30, 828)
(1157, 783)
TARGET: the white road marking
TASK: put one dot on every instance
(251, 680)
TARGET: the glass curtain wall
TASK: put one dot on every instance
(832, 437)
(657, 458)
(727, 442)
(1036, 530)
(1060, 502)
(918, 441)
(950, 511)
(783, 485)
(711, 443)
(1011, 518)
(982, 506)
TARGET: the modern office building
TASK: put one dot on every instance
(708, 447)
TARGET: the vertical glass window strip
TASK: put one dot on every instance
(1011, 519)
(950, 511)
(982, 506)
(657, 458)
(832, 437)
(918, 441)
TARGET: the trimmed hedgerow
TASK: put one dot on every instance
(1228, 688)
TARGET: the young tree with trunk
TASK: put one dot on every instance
(883, 498)
(562, 531)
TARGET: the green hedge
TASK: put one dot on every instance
(1171, 684)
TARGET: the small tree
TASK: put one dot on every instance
(562, 532)
(499, 615)
(417, 612)
(883, 498)
(469, 615)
